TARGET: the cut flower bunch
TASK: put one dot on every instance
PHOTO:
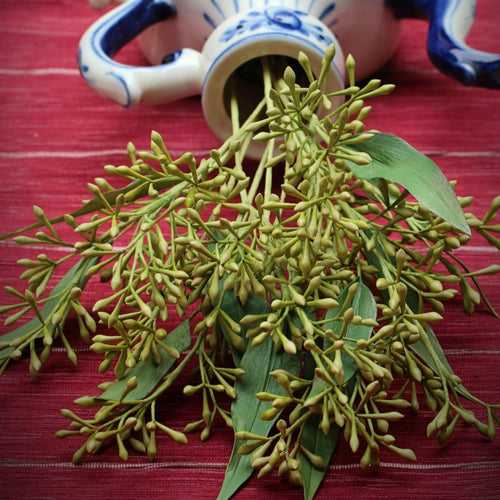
(303, 313)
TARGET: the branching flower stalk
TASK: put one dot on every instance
(343, 269)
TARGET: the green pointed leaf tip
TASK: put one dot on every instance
(320, 444)
(149, 373)
(257, 362)
(75, 277)
(313, 437)
(396, 161)
(421, 349)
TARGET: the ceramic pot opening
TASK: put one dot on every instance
(248, 85)
(241, 69)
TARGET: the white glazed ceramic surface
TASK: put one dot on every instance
(227, 40)
(196, 45)
(186, 40)
(251, 35)
(367, 29)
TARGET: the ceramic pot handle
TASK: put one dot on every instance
(177, 77)
(450, 22)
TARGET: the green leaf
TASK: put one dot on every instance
(396, 161)
(257, 362)
(75, 277)
(424, 353)
(313, 437)
(232, 307)
(363, 305)
(421, 349)
(149, 373)
(324, 446)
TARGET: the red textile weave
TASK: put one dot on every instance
(56, 135)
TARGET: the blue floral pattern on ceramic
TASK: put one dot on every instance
(278, 18)
(83, 68)
(214, 24)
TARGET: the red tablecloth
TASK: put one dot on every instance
(55, 136)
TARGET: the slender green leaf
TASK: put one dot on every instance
(313, 437)
(320, 444)
(424, 353)
(233, 308)
(396, 161)
(421, 349)
(413, 302)
(257, 362)
(363, 305)
(75, 277)
(149, 373)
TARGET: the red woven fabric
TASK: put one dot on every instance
(56, 135)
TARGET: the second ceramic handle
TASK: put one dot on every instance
(450, 22)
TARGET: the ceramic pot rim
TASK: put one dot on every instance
(252, 47)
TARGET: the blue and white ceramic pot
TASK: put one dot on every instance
(195, 46)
